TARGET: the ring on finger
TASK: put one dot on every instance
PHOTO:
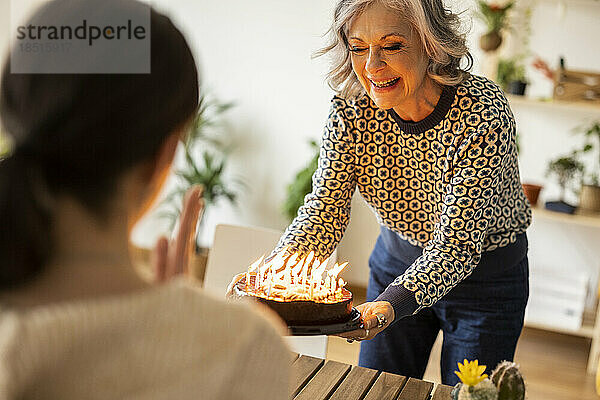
(381, 320)
(366, 335)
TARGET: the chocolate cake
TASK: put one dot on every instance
(305, 312)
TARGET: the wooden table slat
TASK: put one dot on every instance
(416, 389)
(303, 369)
(442, 392)
(356, 384)
(324, 382)
(387, 386)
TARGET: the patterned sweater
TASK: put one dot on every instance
(449, 184)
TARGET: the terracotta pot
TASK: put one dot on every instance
(532, 192)
(589, 199)
(490, 41)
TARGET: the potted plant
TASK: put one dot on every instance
(204, 164)
(301, 185)
(589, 199)
(495, 18)
(511, 76)
(532, 192)
(566, 169)
(505, 383)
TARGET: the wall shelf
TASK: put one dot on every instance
(589, 220)
(590, 326)
(550, 104)
(586, 330)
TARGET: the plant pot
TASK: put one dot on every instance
(516, 87)
(198, 264)
(532, 192)
(589, 199)
(560, 206)
(490, 41)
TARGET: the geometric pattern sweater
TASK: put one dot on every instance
(449, 184)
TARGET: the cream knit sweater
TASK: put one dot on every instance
(169, 342)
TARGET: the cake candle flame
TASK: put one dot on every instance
(295, 278)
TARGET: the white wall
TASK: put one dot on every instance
(258, 54)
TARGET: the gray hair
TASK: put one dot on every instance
(437, 27)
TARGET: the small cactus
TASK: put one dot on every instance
(484, 390)
(455, 390)
(508, 380)
(475, 385)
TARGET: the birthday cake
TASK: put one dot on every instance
(300, 288)
(303, 311)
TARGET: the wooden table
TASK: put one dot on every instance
(318, 379)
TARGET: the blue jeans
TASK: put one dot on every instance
(481, 318)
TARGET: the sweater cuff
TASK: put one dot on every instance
(403, 300)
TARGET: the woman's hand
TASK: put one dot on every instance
(376, 316)
(229, 293)
(172, 258)
(238, 277)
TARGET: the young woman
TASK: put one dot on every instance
(91, 152)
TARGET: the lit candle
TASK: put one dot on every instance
(270, 279)
(259, 278)
(310, 257)
(247, 281)
(304, 278)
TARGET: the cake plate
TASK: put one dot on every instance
(311, 330)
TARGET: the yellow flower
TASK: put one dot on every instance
(471, 372)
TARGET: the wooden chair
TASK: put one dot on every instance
(234, 249)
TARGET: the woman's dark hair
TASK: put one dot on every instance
(76, 134)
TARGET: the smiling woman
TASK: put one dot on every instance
(435, 28)
(390, 63)
(431, 148)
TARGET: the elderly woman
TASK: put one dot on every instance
(431, 148)
(91, 153)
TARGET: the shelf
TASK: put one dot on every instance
(586, 330)
(589, 220)
(515, 100)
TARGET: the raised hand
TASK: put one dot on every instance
(171, 258)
